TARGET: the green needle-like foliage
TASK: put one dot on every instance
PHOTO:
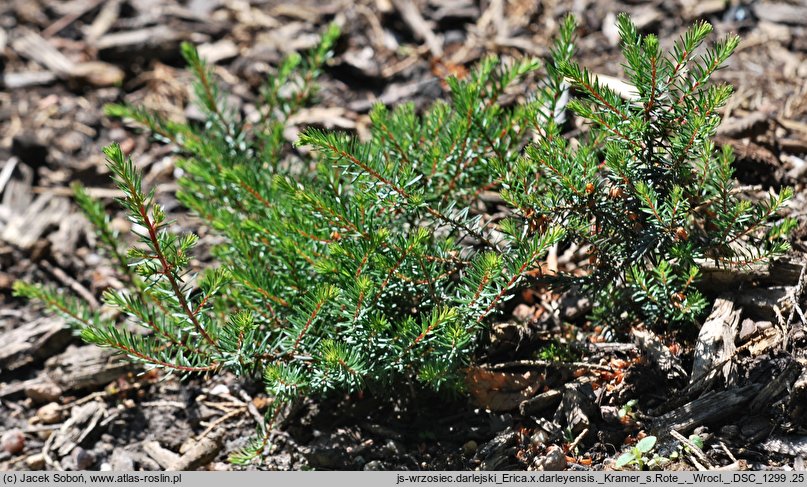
(372, 262)
(645, 191)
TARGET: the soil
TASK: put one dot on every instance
(65, 405)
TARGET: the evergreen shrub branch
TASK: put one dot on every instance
(371, 262)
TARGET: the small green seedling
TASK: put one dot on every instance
(627, 409)
(638, 455)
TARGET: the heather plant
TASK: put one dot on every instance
(645, 191)
(363, 263)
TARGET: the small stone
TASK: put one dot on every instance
(82, 459)
(539, 438)
(50, 413)
(71, 142)
(553, 461)
(747, 328)
(105, 467)
(523, 313)
(373, 466)
(393, 448)
(122, 461)
(35, 461)
(43, 392)
(470, 447)
(13, 441)
(44, 434)
(220, 390)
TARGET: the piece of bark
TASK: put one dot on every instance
(31, 342)
(165, 457)
(25, 228)
(413, 18)
(795, 445)
(577, 407)
(716, 341)
(86, 367)
(42, 390)
(783, 272)
(35, 47)
(218, 51)
(781, 13)
(110, 11)
(659, 354)
(201, 453)
(540, 403)
(83, 421)
(710, 407)
(150, 41)
(27, 79)
(773, 389)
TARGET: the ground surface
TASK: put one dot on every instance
(65, 405)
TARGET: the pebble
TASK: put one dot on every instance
(43, 392)
(393, 448)
(13, 441)
(35, 461)
(553, 461)
(121, 460)
(524, 313)
(82, 459)
(50, 413)
(374, 466)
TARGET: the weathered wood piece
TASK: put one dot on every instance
(710, 407)
(716, 341)
(541, 402)
(413, 18)
(781, 13)
(27, 79)
(576, 407)
(787, 445)
(773, 389)
(32, 342)
(157, 41)
(25, 228)
(83, 421)
(201, 453)
(35, 47)
(659, 354)
(86, 367)
(782, 272)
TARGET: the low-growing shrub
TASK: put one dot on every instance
(363, 263)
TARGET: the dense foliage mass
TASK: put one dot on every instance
(368, 262)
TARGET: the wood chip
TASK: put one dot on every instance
(716, 340)
(31, 342)
(85, 367)
(705, 409)
(422, 30)
(659, 354)
(795, 445)
(35, 47)
(25, 228)
(781, 13)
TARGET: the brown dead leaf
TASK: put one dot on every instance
(501, 391)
